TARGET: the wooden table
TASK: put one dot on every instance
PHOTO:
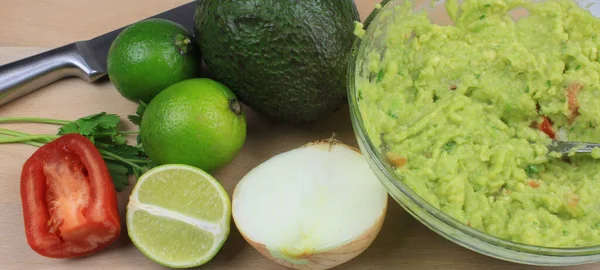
(31, 26)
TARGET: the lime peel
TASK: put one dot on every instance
(194, 122)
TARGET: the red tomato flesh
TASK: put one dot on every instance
(69, 200)
(546, 127)
(67, 194)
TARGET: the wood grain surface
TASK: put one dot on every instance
(31, 26)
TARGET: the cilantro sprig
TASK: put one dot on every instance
(101, 129)
(137, 118)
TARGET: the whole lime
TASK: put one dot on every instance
(148, 56)
(198, 122)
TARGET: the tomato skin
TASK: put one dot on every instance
(546, 127)
(101, 225)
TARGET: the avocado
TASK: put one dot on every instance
(286, 59)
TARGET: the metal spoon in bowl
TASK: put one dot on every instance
(564, 147)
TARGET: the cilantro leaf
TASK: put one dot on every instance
(68, 128)
(531, 170)
(449, 146)
(391, 114)
(92, 124)
(118, 139)
(121, 159)
(107, 121)
(138, 172)
(131, 154)
(137, 118)
(119, 175)
(111, 135)
(126, 151)
(380, 75)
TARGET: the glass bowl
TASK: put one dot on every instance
(434, 219)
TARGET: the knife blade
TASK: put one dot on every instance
(85, 59)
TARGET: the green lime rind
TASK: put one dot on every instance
(194, 122)
(150, 55)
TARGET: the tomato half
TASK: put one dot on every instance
(68, 198)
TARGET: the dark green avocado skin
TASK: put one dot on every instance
(286, 59)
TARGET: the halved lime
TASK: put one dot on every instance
(178, 215)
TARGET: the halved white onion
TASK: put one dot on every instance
(314, 207)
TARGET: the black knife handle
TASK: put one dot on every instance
(24, 76)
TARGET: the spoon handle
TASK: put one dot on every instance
(564, 147)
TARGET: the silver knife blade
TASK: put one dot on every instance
(95, 51)
(85, 59)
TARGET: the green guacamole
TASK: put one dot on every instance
(457, 109)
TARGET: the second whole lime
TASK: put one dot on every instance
(198, 122)
(150, 55)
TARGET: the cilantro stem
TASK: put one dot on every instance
(128, 159)
(32, 143)
(25, 138)
(16, 133)
(107, 134)
(100, 129)
(137, 160)
(50, 137)
(12, 132)
(30, 140)
(100, 145)
(118, 158)
(44, 137)
(34, 120)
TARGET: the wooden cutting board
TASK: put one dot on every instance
(31, 26)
